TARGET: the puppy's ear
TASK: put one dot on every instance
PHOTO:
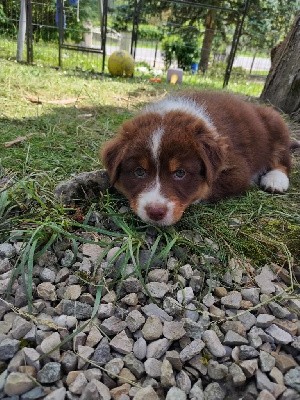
(212, 151)
(112, 154)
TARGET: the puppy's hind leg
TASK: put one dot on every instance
(276, 179)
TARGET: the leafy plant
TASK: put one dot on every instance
(3, 17)
(184, 51)
(149, 32)
(122, 16)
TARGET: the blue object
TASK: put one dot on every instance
(194, 67)
(73, 3)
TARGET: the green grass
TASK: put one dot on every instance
(65, 139)
(46, 54)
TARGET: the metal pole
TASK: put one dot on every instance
(21, 31)
(235, 42)
(134, 30)
(104, 10)
(252, 63)
(61, 19)
(155, 54)
(29, 36)
(138, 4)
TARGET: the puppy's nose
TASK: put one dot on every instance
(156, 212)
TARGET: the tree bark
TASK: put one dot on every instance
(207, 40)
(282, 87)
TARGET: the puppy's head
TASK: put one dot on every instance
(163, 163)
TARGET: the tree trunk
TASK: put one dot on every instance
(282, 87)
(207, 40)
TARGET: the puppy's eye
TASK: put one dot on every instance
(139, 172)
(179, 174)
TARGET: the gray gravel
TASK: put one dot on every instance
(172, 339)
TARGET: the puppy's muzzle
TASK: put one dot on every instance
(156, 211)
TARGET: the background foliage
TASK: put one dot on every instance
(182, 28)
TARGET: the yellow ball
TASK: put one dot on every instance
(121, 63)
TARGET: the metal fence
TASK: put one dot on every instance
(59, 35)
(9, 28)
(151, 53)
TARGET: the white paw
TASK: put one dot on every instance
(275, 181)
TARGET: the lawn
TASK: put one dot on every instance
(66, 138)
(64, 117)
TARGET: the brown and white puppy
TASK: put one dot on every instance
(195, 146)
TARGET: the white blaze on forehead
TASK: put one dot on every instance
(155, 142)
(152, 196)
(183, 104)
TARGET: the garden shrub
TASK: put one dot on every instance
(184, 50)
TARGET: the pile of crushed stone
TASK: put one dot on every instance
(180, 336)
